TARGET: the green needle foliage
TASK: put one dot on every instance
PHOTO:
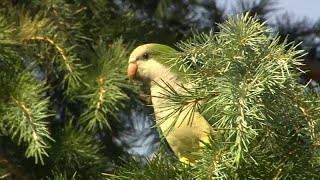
(75, 150)
(266, 124)
(268, 120)
(105, 95)
(24, 115)
(63, 86)
(158, 168)
(67, 108)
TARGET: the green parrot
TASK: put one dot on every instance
(186, 132)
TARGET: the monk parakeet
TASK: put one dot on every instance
(186, 132)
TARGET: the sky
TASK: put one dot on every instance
(296, 8)
(300, 8)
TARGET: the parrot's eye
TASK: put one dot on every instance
(145, 56)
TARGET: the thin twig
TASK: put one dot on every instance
(102, 91)
(59, 49)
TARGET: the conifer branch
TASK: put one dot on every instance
(75, 149)
(251, 99)
(101, 93)
(238, 77)
(22, 107)
(60, 50)
(105, 95)
(24, 114)
(33, 136)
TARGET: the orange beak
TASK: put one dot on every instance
(132, 70)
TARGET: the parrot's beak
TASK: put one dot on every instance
(132, 70)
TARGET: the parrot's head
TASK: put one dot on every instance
(148, 62)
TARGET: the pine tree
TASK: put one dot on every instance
(63, 86)
(266, 124)
(67, 110)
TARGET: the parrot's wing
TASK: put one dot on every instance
(186, 132)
